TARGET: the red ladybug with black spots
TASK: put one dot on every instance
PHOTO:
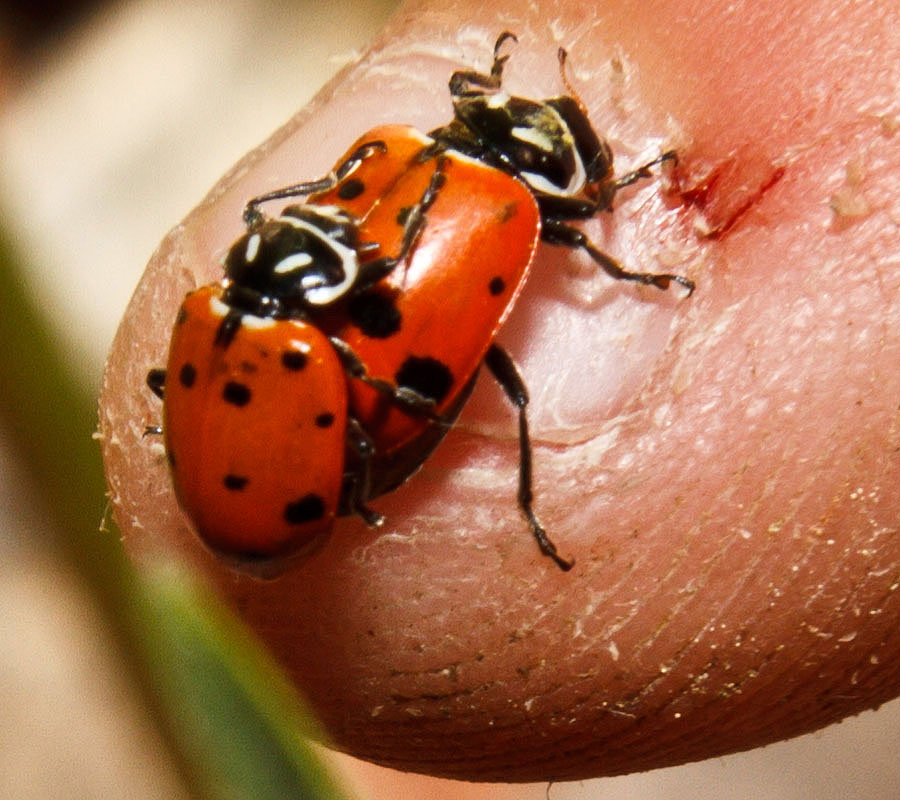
(262, 449)
(392, 279)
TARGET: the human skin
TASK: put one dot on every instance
(722, 467)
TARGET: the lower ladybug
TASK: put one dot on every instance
(255, 428)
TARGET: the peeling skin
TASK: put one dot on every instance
(723, 468)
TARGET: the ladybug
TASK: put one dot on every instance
(261, 445)
(427, 327)
(252, 490)
(407, 334)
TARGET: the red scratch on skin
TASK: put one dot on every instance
(698, 194)
(720, 230)
(721, 197)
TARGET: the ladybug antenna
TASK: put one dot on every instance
(499, 61)
(563, 56)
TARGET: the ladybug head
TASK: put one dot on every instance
(549, 144)
(303, 259)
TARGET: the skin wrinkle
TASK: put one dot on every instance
(748, 572)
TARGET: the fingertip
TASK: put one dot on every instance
(685, 460)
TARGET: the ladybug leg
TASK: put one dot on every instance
(578, 209)
(470, 82)
(414, 222)
(555, 231)
(359, 155)
(565, 207)
(504, 369)
(253, 216)
(156, 380)
(357, 482)
(406, 398)
(644, 171)
(228, 328)
(413, 225)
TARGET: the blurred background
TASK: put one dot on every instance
(115, 119)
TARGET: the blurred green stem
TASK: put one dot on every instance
(232, 723)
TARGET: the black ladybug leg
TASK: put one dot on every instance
(644, 171)
(466, 82)
(565, 207)
(357, 482)
(415, 219)
(557, 232)
(503, 368)
(253, 216)
(408, 399)
(413, 225)
(156, 380)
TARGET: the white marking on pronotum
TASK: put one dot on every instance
(257, 323)
(220, 309)
(327, 293)
(332, 212)
(532, 135)
(295, 261)
(497, 100)
(217, 307)
(252, 248)
(539, 182)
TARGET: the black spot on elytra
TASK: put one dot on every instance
(293, 360)
(496, 286)
(238, 394)
(235, 482)
(325, 420)
(403, 215)
(171, 456)
(508, 212)
(308, 508)
(427, 376)
(182, 316)
(375, 314)
(351, 189)
(187, 375)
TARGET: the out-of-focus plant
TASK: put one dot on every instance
(233, 724)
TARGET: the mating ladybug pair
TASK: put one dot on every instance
(348, 331)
